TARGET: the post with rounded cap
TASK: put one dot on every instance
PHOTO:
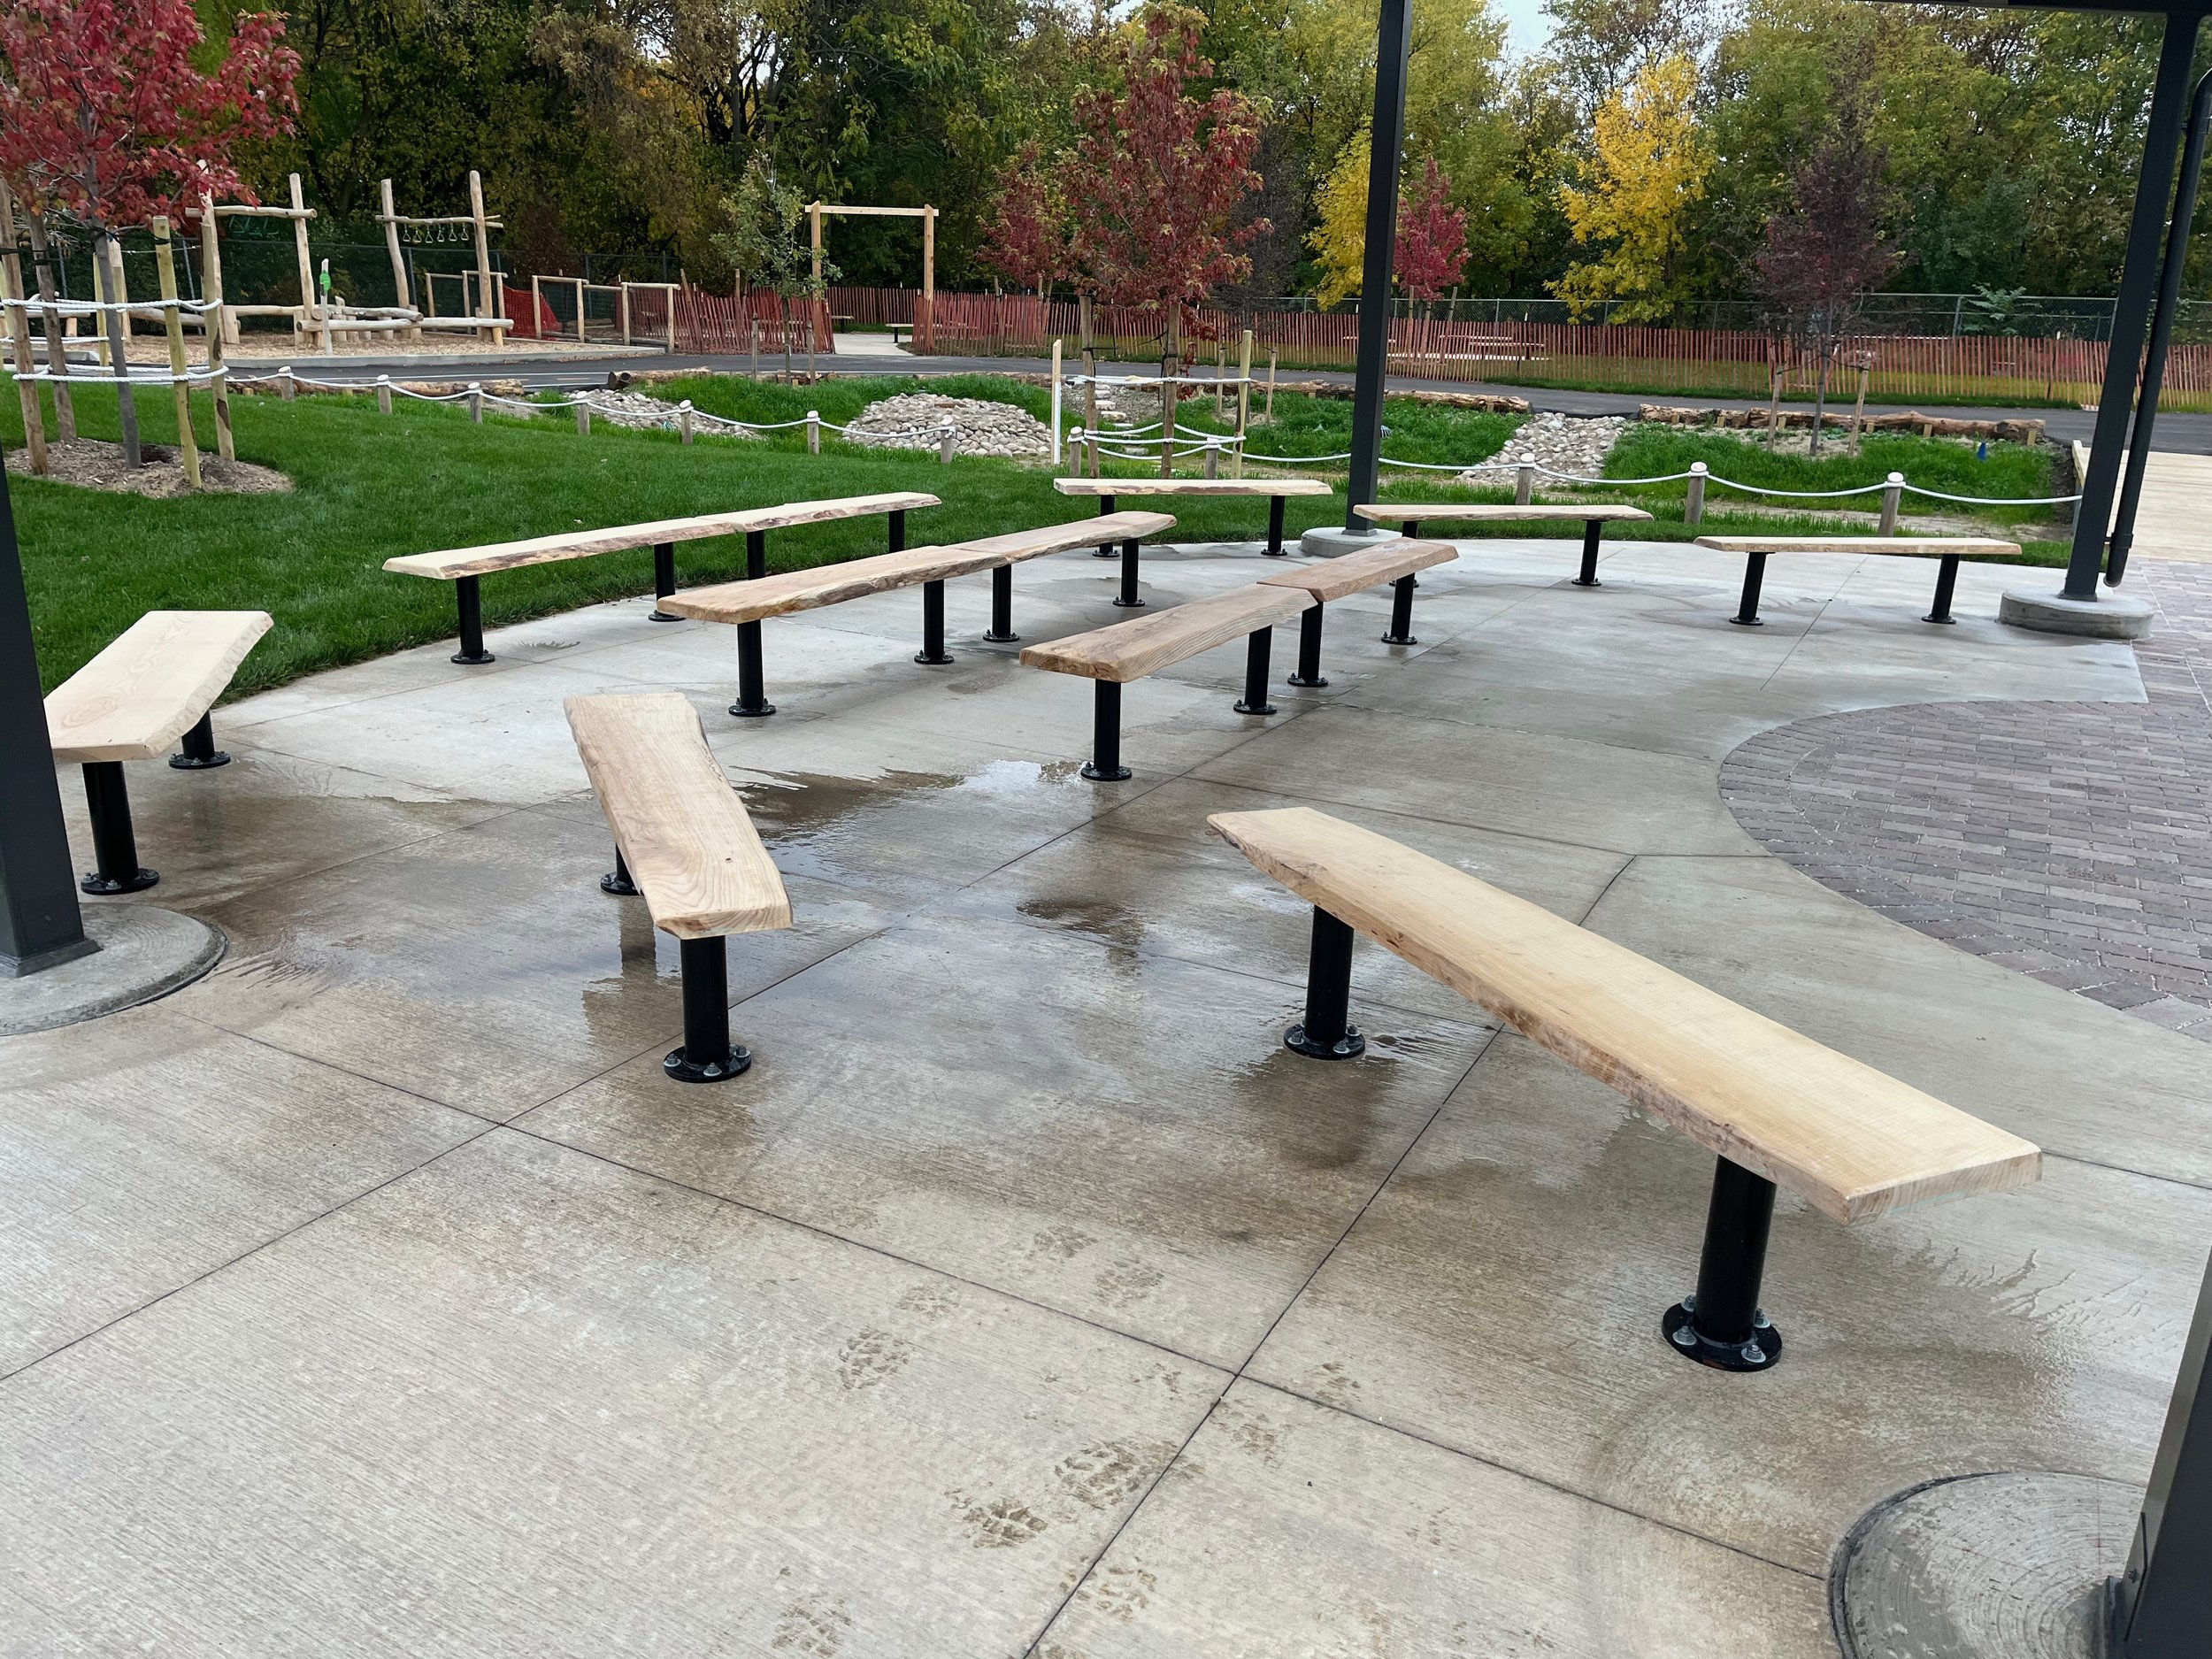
(476, 401)
(284, 383)
(1524, 483)
(946, 438)
(814, 431)
(1893, 498)
(1693, 498)
(383, 393)
(683, 419)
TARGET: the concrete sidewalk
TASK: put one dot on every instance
(377, 1295)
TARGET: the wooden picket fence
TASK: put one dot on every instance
(722, 325)
(1663, 362)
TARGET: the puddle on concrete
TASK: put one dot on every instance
(1114, 925)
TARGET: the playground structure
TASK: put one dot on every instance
(925, 310)
(626, 310)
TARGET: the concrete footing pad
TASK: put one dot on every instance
(1332, 541)
(2003, 1566)
(143, 953)
(2111, 617)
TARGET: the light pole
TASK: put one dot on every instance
(1392, 40)
(40, 924)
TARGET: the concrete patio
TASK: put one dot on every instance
(377, 1294)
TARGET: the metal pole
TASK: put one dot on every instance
(1393, 39)
(2163, 1606)
(40, 925)
(2130, 311)
(2161, 333)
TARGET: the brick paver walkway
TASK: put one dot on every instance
(2071, 840)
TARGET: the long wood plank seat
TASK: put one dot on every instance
(1333, 579)
(465, 567)
(152, 686)
(1109, 491)
(1594, 516)
(1774, 1106)
(744, 604)
(683, 840)
(1948, 550)
(1116, 655)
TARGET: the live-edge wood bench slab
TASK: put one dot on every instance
(684, 840)
(1948, 550)
(1333, 579)
(1593, 516)
(152, 685)
(1276, 490)
(1774, 1106)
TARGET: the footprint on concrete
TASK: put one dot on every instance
(815, 1626)
(996, 1522)
(1120, 1592)
(930, 1300)
(870, 1357)
(1128, 1282)
(1103, 1475)
(1063, 1242)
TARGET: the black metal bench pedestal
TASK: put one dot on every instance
(1258, 645)
(1722, 1326)
(1275, 527)
(469, 599)
(1001, 629)
(752, 687)
(1588, 575)
(1326, 1032)
(1755, 570)
(1946, 579)
(933, 653)
(196, 750)
(114, 842)
(1127, 599)
(1308, 670)
(1105, 506)
(664, 580)
(708, 1055)
(1104, 765)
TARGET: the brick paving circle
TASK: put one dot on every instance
(2071, 840)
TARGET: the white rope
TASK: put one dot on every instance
(1995, 501)
(95, 308)
(132, 377)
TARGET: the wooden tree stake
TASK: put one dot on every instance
(172, 324)
(219, 327)
(19, 332)
(57, 358)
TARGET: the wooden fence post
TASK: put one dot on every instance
(583, 419)
(683, 419)
(1056, 401)
(383, 393)
(476, 401)
(172, 324)
(1693, 498)
(814, 431)
(1892, 499)
(1524, 483)
(217, 327)
(537, 308)
(1244, 403)
(946, 438)
(487, 304)
(12, 288)
(286, 390)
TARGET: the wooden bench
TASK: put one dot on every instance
(682, 838)
(1594, 517)
(745, 603)
(1773, 1105)
(465, 567)
(1109, 491)
(1116, 655)
(1949, 550)
(1334, 579)
(154, 684)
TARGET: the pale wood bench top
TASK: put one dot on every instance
(151, 685)
(1912, 547)
(1393, 512)
(1331, 579)
(1125, 651)
(1193, 486)
(544, 550)
(1850, 1139)
(691, 849)
(853, 579)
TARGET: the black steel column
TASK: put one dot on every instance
(40, 925)
(1946, 583)
(2153, 191)
(1127, 599)
(1401, 613)
(1722, 1326)
(469, 599)
(897, 531)
(708, 1055)
(2162, 333)
(2163, 1607)
(1755, 570)
(1588, 577)
(933, 653)
(1275, 527)
(1002, 630)
(114, 841)
(1105, 506)
(1326, 1032)
(196, 750)
(755, 554)
(1393, 37)
(752, 675)
(1308, 670)
(1104, 765)
(1257, 644)
(663, 581)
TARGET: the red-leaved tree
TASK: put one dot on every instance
(1157, 175)
(1027, 239)
(1431, 236)
(104, 116)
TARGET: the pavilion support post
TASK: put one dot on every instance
(2130, 314)
(1392, 40)
(2162, 1606)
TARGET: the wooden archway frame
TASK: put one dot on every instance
(926, 314)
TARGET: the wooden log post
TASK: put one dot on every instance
(400, 284)
(100, 354)
(309, 315)
(1523, 484)
(683, 419)
(383, 393)
(1858, 409)
(286, 390)
(1892, 499)
(583, 419)
(1693, 497)
(925, 328)
(219, 327)
(119, 286)
(172, 324)
(116, 322)
(57, 358)
(486, 305)
(1090, 379)
(476, 401)
(1244, 403)
(1056, 401)
(537, 307)
(12, 288)
(624, 305)
(814, 431)
(1269, 416)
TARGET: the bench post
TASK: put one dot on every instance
(1105, 506)
(933, 653)
(1326, 1032)
(1001, 629)
(708, 1055)
(755, 554)
(664, 580)
(616, 880)
(196, 750)
(1722, 1326)
(1946, 578)
(1257, 645)
(1275, 527)
(471, 602)
(114, 843)
(897, 536)
(1401, 612)
(1308, 670)
(1127, 599)
(1104, 765)
(1755, 570)
(752, 688)
(1588, 578)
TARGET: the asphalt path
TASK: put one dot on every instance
(2179, 432)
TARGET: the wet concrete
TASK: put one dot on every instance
(378, 1293)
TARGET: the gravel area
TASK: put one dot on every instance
(913, 421)
(636, 408)
(1565, 443)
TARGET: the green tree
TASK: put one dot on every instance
(763, 247)
(1648, 167)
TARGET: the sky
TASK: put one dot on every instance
(1529, 26)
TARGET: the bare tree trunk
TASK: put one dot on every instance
(126, 406)
(65, 408)
(1170, 361)
(1820, 397)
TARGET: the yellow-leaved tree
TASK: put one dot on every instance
(1646, 169)
(1339, 238)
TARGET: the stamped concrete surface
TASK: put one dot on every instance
(377, 1294)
